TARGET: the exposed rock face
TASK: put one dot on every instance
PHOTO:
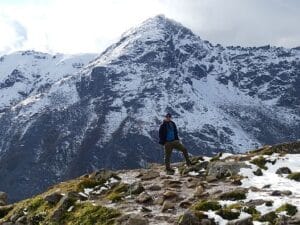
(3, 198)
(105, 113)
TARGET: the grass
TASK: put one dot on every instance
(253, 212)
(118, 192)
(233, 195)
(260, 162)
(228, 214)
(290, 209)
(205, 205)
(89, 214)
(294, 176)
(269, 217)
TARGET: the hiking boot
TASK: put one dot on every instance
(170, 171)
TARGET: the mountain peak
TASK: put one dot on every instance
(159, 23)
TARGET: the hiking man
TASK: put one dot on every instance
(168, 137)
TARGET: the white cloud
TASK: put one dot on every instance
(73, 26)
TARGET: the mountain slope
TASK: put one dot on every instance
(107, 114)
(224, 189)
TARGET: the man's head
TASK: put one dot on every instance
(168, 117)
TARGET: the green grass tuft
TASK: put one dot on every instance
(89, 214)
(294, 176)
(205, 205)
(260, 162)
(290, 209)
(228, 214)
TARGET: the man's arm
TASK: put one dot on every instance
(161, 135)
(175, 132)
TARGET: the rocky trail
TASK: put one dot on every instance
(258, 187)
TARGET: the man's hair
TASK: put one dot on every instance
(168, 115)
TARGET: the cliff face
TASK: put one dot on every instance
(104, 111)
(251, 188)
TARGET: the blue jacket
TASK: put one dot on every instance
(163, 132)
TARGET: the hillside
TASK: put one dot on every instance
(62, 117)
(258, 187)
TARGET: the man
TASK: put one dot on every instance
(168, 137)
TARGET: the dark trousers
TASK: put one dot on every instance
(169, 146)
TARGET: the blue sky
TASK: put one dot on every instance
(75, 26)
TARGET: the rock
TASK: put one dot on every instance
(211, 179)
(154, 187)
(136, 188)
(167, 205)
(4, 210)
(268, 217)
(185, 204)
(53, 198)
(145, 209)
(159, 201)
(63, 205)
(149, 175)
(276, 193)
(77, 196)
(170, 195)
(144, 198)
(172, 183)
(104, 175)
(255, 202)
(16, 216)
(189, 218)
(283, 170)
(269, 203)
(244, 221)
(286, 192)
(221, 169)
(280, 193)
(3, 198)
(22, 220)
(266, 186)
(137, 219)
(237, 194)
(199, 191)
(258, 172)
(192, 183)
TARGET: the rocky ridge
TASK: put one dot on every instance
(223, 189)
(61, 117)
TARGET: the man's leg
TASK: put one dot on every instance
(179, 146)
(168, 152)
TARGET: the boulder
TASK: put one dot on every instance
(170, 195)
(189, 218)
(172, 183)
(167, 205)
(258, 172)
(221, 169)
(63, 205)
(136, 188)
(199, 191)
(154, 187)
(53, 198)
(144, 198)
(283, 170)
(136, 219)
(149, 175)
(3, 198)
(4, 210)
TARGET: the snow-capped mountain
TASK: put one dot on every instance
(106, 114)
